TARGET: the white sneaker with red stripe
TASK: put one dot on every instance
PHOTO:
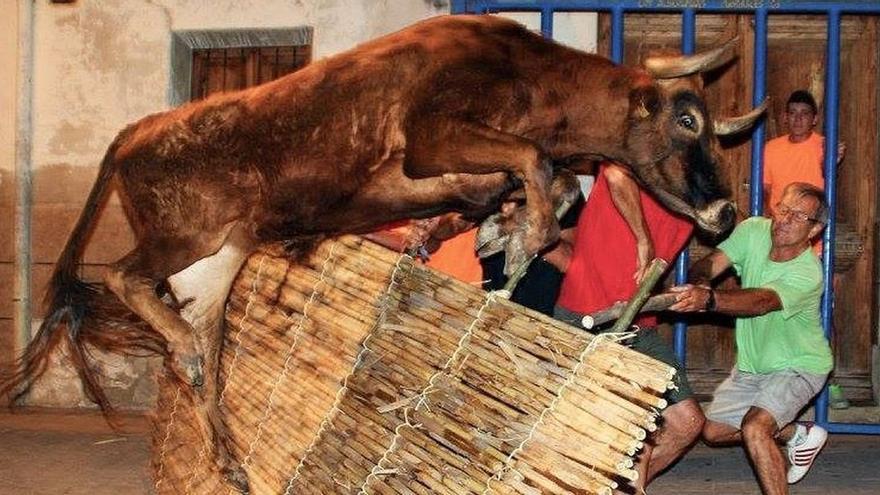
(802, 455)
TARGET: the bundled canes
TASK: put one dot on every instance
(360, 371)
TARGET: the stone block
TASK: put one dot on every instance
(7, 217)
(111, 238)
(7, 290)
(7, 340)
(40, 275)
(7, 347)
(129, 382)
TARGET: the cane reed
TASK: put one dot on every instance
(359, 371)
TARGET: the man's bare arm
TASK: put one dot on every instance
(747, 302)
(416, 233)
(625, 195)
(560, 255)
(733, 302)
(393, 240)
(450, 225)
(706, 269)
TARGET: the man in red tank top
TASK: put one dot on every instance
(620, 230)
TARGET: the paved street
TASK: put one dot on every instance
(76, 454)
(848, 465)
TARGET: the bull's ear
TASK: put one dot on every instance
(644, 102)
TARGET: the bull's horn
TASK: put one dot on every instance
(669, 67)
(733, 125)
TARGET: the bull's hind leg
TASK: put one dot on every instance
(436, 147)
(203, 288)
(134, 279)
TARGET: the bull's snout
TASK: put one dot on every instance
(717, 217)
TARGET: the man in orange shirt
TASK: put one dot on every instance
(798, 155)
(449, 239)
(453, 252)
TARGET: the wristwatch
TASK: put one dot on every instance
(710, 302)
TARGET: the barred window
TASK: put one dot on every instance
(227, 69)
(205, 62)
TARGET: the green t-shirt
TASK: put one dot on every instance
(790, 338)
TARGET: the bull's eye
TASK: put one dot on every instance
(687, 121)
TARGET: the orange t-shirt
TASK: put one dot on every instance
(786, 162)
(457, 257)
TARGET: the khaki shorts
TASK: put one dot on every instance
(783, 394)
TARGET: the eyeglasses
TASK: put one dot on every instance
(784, 210)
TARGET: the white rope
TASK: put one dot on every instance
(270, 402)
(422, 397)
(241, 330)
(203, 453)
(160, 475)
(327, 421)
(462, 342)
(378, 470)
(508, 462)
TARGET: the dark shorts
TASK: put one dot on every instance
(648, 342)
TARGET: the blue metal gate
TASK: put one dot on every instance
(760, 9)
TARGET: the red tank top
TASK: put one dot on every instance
(604, 254)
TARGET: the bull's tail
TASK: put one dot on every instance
(73, 303)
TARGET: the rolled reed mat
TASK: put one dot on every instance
(360, 371)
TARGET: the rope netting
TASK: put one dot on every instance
(360, 371)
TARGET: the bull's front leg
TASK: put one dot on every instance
(449, 146)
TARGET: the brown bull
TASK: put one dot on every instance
(453, 113)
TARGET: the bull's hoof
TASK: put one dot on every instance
(190, 368)
(237, 477)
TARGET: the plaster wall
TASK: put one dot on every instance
(8, 95)
(100, 65)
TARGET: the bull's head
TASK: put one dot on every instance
(671, 142)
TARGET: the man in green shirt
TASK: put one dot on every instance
(783, 357)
